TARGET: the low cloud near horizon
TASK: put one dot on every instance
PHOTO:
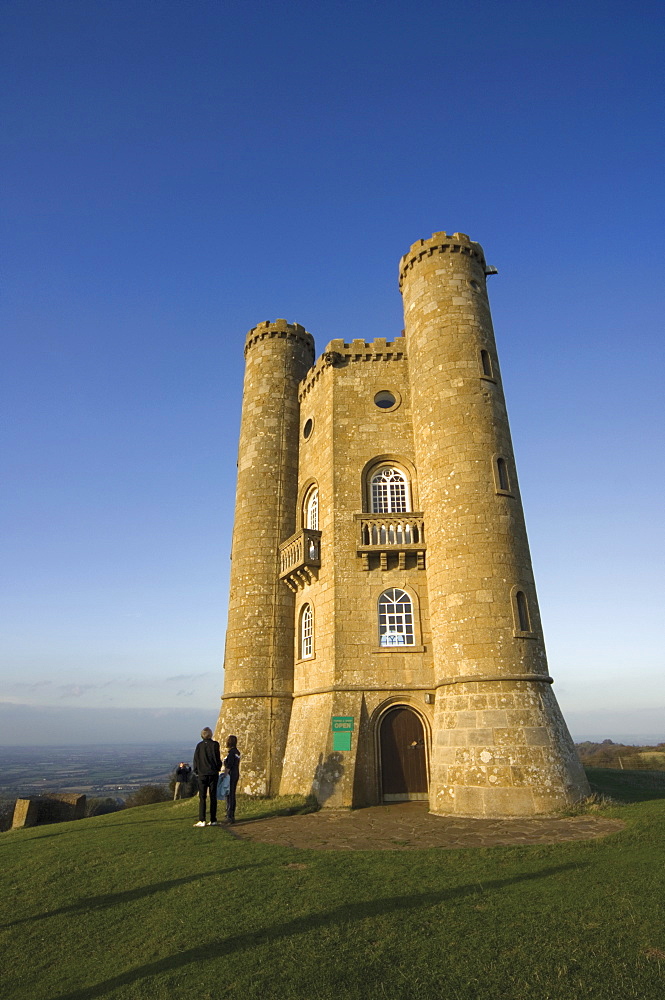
(34, 725)
(113, 692)
(22, 725)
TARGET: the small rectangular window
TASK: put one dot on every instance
(486, 364)
(502, 474)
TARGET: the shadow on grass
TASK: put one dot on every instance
(312, 921)
(253, 810)
(89, 905)
(30, 833)
(627, 786)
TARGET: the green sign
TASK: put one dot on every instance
(341, 741)
(342, 723)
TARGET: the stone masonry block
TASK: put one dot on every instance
(478, 702)
(508, 802)
(497, 718)
(536, 736)
(26, 813)
(480, 737)
(469, 801)
(509, 737)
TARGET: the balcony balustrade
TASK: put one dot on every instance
(388, 535)
(300, 558)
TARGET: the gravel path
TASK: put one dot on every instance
(409, 826)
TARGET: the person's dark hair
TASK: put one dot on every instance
(232, 741)
(206, 733)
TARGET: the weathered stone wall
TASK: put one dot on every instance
(258, 660)
(349, 673)
(500, 744)
(55, 807)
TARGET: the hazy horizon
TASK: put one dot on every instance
(50, 726)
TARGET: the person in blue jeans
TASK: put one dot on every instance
(232, 768)
(207, 765)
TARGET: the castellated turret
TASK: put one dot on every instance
(258, 660)
(384, 641)
(500, 745)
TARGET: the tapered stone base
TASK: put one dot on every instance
(261, 725)
(502, 748)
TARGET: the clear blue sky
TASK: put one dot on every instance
(175, 172)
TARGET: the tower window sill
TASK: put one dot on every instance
(399, 649)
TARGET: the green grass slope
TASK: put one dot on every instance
(140, 904)
(627, 786)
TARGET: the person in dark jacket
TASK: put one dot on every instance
(182, 775)
(207, 765)
(232, 768)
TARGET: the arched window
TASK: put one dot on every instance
(306, 632)
(396, 619)
(523, 622)
(389, 489)
(311, 518)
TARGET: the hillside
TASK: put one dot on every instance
(139, 904)
(622, 755)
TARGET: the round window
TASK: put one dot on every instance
(307, 429)
(386, 400)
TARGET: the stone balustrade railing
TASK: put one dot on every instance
(392, 529)
(391, 533)
(300, 558)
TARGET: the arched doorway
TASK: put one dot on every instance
(403, 756)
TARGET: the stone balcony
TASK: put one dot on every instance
(300, 558)
(391, 540)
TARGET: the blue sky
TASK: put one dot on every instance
(175, 172)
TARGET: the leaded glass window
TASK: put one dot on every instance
(312, 510)
(390, 492)
(306, 632)
(395, 619)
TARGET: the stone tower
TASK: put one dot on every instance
(259, 638)
(384, 640)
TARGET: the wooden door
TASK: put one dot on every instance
(403, 758)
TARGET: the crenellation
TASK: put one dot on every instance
(441, 243)
(283, 330)
(338, 354)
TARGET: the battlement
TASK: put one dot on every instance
(338, 354)
(440, 243)
(280, 328)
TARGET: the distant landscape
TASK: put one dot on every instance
(118, 770)
(621, 755)
(106, 770)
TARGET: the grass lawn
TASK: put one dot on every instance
(139, 904)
